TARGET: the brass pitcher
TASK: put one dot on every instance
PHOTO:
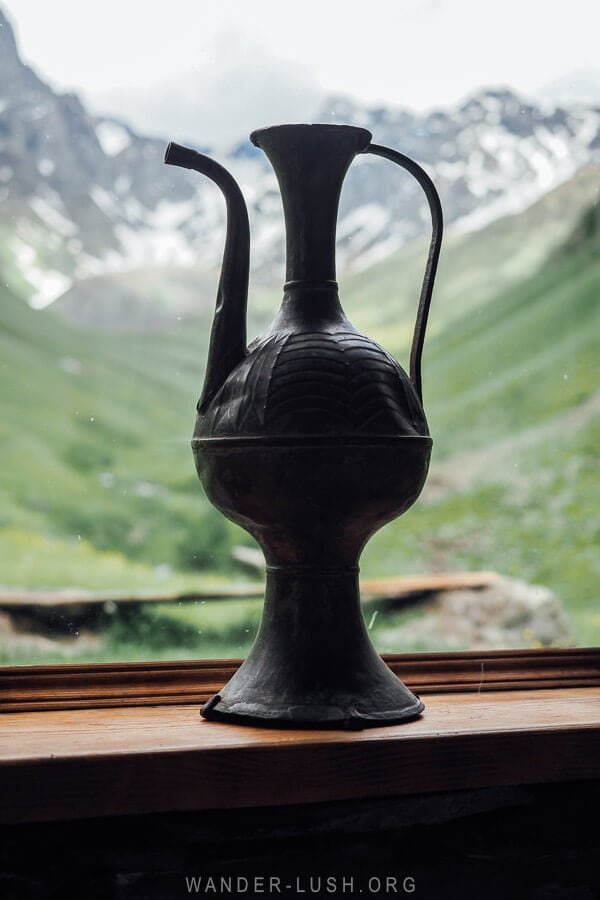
(311, 438)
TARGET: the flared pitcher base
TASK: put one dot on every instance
(312, 664)
(309, 717)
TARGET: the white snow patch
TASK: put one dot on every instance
(362, 228)
(52, 216)
(173, 215)
(189, 232)
(6, 173)
(477, 173)
(374, 254)
(88, 265)
(104, 200)
(135, 212)
(589, 126)
(451, 170)
(268, 237)
(144, 247)
(24, 253)
(483, 215)
(509, 203)
(46, 167)
(559, 146)
(113, 138)
(49, 287)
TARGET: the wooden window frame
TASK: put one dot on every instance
(87, 741)
(100, 685)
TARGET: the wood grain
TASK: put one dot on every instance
(78, 763)
(25, 688)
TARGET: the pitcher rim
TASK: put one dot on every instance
(313, 126)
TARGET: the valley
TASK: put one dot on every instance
(108, 270)
(98, 484)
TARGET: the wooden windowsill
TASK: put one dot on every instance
(84, 760)
(97, 685)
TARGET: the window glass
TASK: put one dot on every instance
(109, 264)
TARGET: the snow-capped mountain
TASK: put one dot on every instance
(82, 195)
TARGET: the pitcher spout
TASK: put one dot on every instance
(228, 337)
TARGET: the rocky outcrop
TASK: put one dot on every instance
(507, 614)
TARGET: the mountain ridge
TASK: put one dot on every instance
(85, 196)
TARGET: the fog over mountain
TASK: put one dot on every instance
(578, 87)
(237, 88)
(254, 90)
(86, 195)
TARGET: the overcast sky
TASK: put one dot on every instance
(260, 61)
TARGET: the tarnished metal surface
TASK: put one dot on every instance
(311, 438)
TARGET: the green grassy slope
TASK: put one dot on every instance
(474, 266)
(95, 435)
(513, 396)
(97, 486)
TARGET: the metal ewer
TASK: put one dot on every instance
(311, 438)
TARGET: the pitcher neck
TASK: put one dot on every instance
(310, 162)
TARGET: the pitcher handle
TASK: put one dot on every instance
(435, 208)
